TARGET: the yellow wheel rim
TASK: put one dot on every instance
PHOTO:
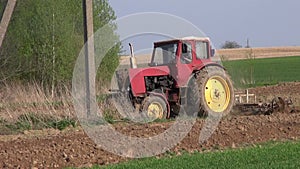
(155, 111)
(217, 94)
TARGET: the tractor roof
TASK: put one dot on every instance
(184, 39)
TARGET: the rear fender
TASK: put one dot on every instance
(208, 65)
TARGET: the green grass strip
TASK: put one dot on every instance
(271, 155)
(260, 72)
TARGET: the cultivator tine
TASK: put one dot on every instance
(278, 104)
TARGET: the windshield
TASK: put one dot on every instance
(164, 54)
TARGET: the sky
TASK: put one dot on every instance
(265, 23)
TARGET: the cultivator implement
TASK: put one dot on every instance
(246, 103)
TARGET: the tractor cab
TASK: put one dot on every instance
(182, 56)
(190, 51)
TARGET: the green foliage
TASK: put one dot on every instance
(111, 61)
(41, 34)
(44, 39)
(259, 72)
(273, 155)
(2, 7)
(33, 121)
(108, 116)
(62, 124)
(108, 65)
(102, 98)
(230, 45)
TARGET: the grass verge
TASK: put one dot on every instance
(270, 155)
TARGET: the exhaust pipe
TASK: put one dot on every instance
(133, 64)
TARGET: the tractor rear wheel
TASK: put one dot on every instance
(215, 90)
(155, 107)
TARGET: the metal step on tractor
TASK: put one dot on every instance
(181, 75)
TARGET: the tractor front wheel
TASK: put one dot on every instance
(155, 107)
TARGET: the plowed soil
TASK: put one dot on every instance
(55, 149)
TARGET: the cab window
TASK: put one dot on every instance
(165, 54)
(201, 50)
(186, 54)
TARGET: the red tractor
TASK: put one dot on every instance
(181, 73)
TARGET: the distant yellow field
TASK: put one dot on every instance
(271, 52)
(234, 54)
(141, 59)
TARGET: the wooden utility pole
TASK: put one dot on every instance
(10, 6)
(90, 72)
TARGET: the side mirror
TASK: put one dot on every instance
(213, 52)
